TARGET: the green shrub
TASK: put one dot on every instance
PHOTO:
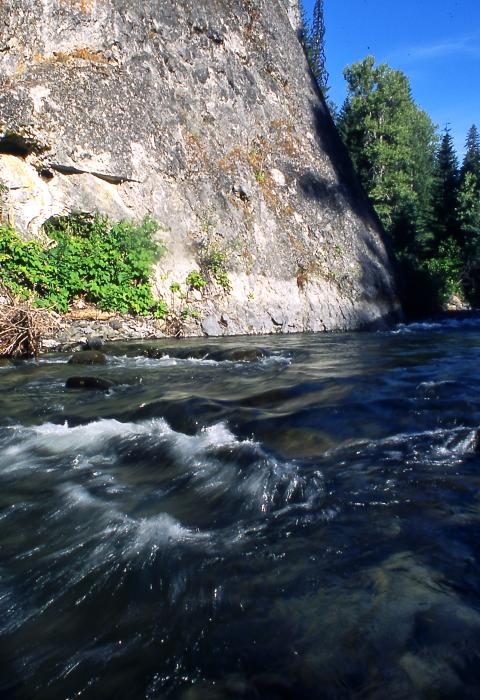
(195, 280)
(160, 309)
(425, 286)
(215, 262)
(187, 313)
(107, 264)
(23, 265)
(446, 269)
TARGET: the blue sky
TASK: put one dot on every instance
(436, 43)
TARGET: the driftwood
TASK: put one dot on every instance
(22, 326)
(174, 326)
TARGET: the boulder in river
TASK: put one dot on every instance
(89, 383)
(245, 355)
(93, 343)
(88, 357)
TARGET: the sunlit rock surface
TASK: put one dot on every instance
(204, 116)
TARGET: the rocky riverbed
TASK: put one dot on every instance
(77, 333)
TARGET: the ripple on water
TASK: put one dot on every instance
(299, 524)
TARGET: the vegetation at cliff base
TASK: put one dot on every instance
(107, 264)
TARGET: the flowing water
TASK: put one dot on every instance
(279, 518)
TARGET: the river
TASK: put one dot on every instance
(271, 517)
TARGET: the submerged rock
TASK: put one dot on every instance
(89, 383)
(94, 343)
(88, 357)
(180, 353)
(208, 352)
(154, 353)
(245, 355)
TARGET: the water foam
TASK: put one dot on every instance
(140, 361)
(445, 324)
(214, 462)
(162, 529)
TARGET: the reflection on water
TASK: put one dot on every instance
(254, 518)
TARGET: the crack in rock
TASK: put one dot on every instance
(72, 170)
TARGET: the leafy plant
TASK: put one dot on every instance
(107, 264)
(23, 265)
(215, 262)
(160, 309)
(195, 280)
(446, 269)
(187, 313)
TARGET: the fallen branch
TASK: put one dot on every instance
(174, 326)
(22, 326)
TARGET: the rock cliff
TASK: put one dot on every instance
(202, 114)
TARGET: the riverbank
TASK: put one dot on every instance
(74, 332)
(76, 329)
(26, 330)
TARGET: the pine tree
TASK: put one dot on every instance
(431, 214)
(469, 222)
(471, 162)
(392, 144)
(316, 46)
(469, 214)
(445, 192)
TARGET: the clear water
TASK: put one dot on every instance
(301, 524)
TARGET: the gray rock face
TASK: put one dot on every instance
(203, 115)
(293, 12)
